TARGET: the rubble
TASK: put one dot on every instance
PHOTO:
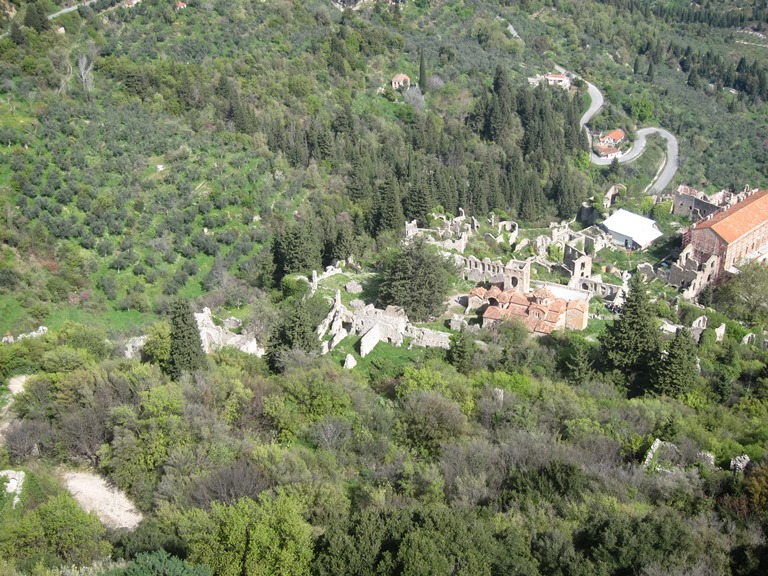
(41, 331)
(14, 484)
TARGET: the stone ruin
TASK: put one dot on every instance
(697, 205)
(670, 451)
(41, 331)
(515, 274)
(14, 484)
(450, 235)
(212, 337)
(314, 280)
(375, 325)
(696, 329)
(507, 231)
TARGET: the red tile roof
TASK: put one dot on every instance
(478, 291)
(519, 299)
(543, 293)
(492, 313)
(505, 297)
(544, 327)
(606, 150)
(740, 219)
(616, 135)
(559, 306)
(518, 309)
(578, 305)
(552, 316)
(493, 292)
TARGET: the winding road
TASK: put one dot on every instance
(70, 9)
(669, 167)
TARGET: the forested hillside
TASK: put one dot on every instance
(159, 158)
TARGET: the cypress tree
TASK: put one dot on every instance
(461, 351)
(422, 72)
(186, 347)
(17, 35)
(389, 213)
(676, 373)
(631, 343)
(580, 364)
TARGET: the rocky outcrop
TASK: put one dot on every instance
(134, 346)
(740, 463)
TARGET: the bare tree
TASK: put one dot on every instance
(25, 438)
(331, 433)
(85, 72)
(84, 433)
(60, 59)
(238, 480)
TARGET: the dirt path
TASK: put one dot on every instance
(16, 386)
(94, 494)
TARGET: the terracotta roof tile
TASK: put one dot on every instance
(616, 135)
(493, 292)
(492, 313)
(543, 293)
(553, 316)
(517, 310)
(478, 291)
(519, 299)
(733, 223)
(504, 298)
(544, 327)
(606, 150)
(578, 305)
(559, 305)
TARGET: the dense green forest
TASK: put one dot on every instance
(158, 159)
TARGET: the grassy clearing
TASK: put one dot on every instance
(112, 320)
(11, 312)
(383, 358)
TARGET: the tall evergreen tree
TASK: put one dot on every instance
(186, 348)
(631, 343)
(422, 72)
(461, 351)
(295, 331)
(389, 210)
(297, 249)
(36, 18)
(579, 366)
(416, 278)
(675, 373)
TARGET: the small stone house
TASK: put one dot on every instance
(556, 79)
(401, 82)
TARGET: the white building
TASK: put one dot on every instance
(631, 230)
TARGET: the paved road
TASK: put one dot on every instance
(596, 100)
(70, 9)
(665, 175)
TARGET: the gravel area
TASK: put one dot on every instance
(94, 494)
